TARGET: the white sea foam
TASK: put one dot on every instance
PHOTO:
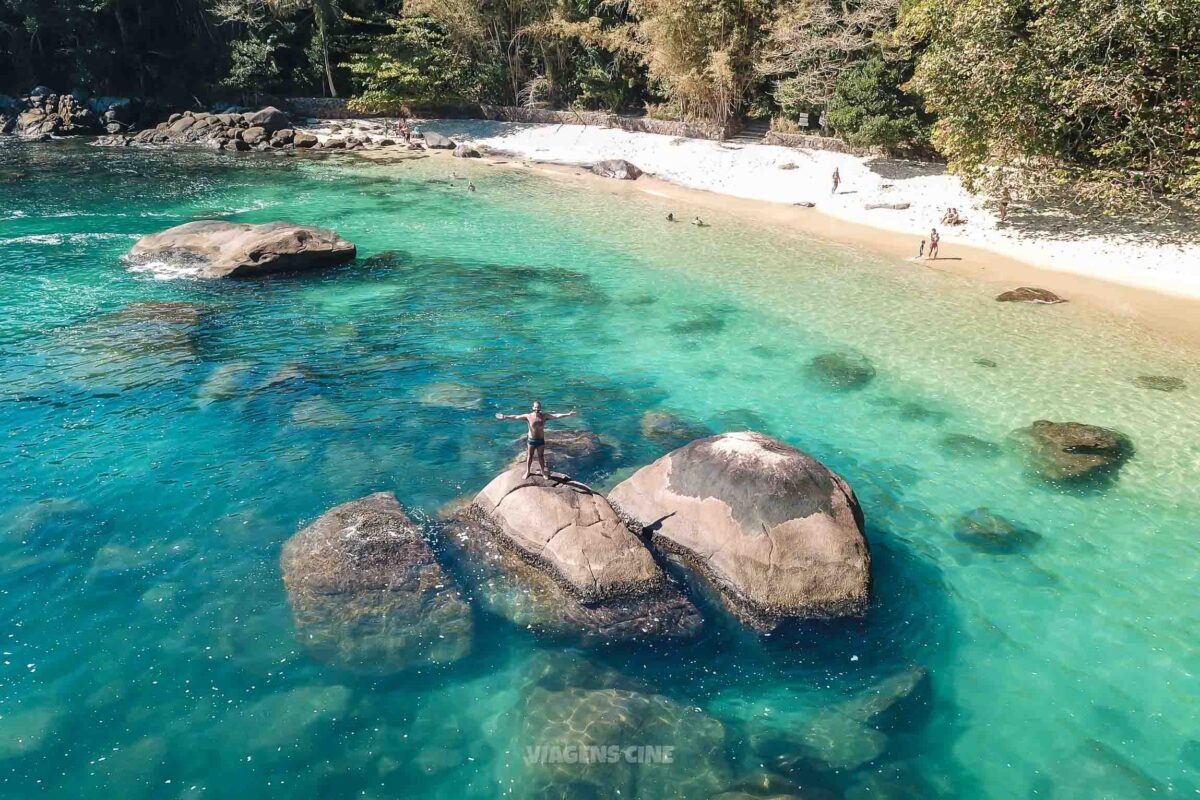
(166, 270)
(62, 238)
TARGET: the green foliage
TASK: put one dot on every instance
(252, 65)
(1100, 97)
(416, 63)
(869, 109)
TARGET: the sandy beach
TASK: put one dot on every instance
(1149, 275)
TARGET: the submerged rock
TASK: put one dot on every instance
(1072, 452)
(992, 533)
(368, 594)
(573, 720)
(231, 250)
(964, 445)
(845, 371)
(617, 169)
(842, 736)
(671, 430)
(1160, 383)
(576, 452)
(1028, 294)
(776, 532)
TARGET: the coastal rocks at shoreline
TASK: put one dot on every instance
(216, 249)
(368, 594)
(436, 141)
(465, 150)
(1029, 294)
(1072, 452)
(617, 169)
(43, 114)
(777, 533)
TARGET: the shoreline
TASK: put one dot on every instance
(1174, 316)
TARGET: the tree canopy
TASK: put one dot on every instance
(1097, 97)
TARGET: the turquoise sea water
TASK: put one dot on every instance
(151, 472)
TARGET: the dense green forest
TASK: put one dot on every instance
(1096, 97)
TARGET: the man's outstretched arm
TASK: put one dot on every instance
(562, 416)
(510, 416)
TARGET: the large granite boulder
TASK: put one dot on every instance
(369, 595)
(465, 150)
(509, 586)
(435, 141)
(270, 119)
(593, 743)
(617, 169)
(1072, 452)
(571, 532)
(233, 250)
(777, 533)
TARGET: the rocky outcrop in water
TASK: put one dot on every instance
(466, 150)
(368, 594)
(216, 249)
(1161, 383)
(617, 169)
(1029, 294)
(47, 114)
(1072, 452)
(436, 141)
(991, 533)
(578, 453)
(509, 586)
(771, 528)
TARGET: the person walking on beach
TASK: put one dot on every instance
(536, 439)
(934, 240)
(921, 250)
(837, 180)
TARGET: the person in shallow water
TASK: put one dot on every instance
(536, 420)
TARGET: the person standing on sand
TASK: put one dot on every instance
(921, 250)
(837, 180)
(536, 439)
(934, 240)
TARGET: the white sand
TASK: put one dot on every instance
(1129, 254)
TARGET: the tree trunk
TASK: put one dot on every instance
(322, 34)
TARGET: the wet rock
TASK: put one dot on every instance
(305, 141)
(1161, 383)
(962, 445)
(844, 371)
(333, 144)
(435, 141)
(777, 533)
(465, 150)
(578, 453)
(992, 533)
(507, 585)
(580, 718)
(452, 395)
(229, 249)
(368, 594)
(617, 169)
(1072, 452)
(1028, 294)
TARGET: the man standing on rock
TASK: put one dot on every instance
(536, 420)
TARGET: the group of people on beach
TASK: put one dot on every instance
(699, 223)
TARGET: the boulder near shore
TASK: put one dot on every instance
(236, 250)
(1072, 452)
(368, 594)
(775, 532)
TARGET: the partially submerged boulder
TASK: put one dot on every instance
(1029, 294)
(617, 169)
(270, 119)
(509, 586)
(572, 532)
(233, 250)
(991, 533)
(1161, 383)
(466, 150)
(369, 595)
(1072, 452)
(777, 533)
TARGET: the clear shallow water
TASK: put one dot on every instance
(152, 471)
